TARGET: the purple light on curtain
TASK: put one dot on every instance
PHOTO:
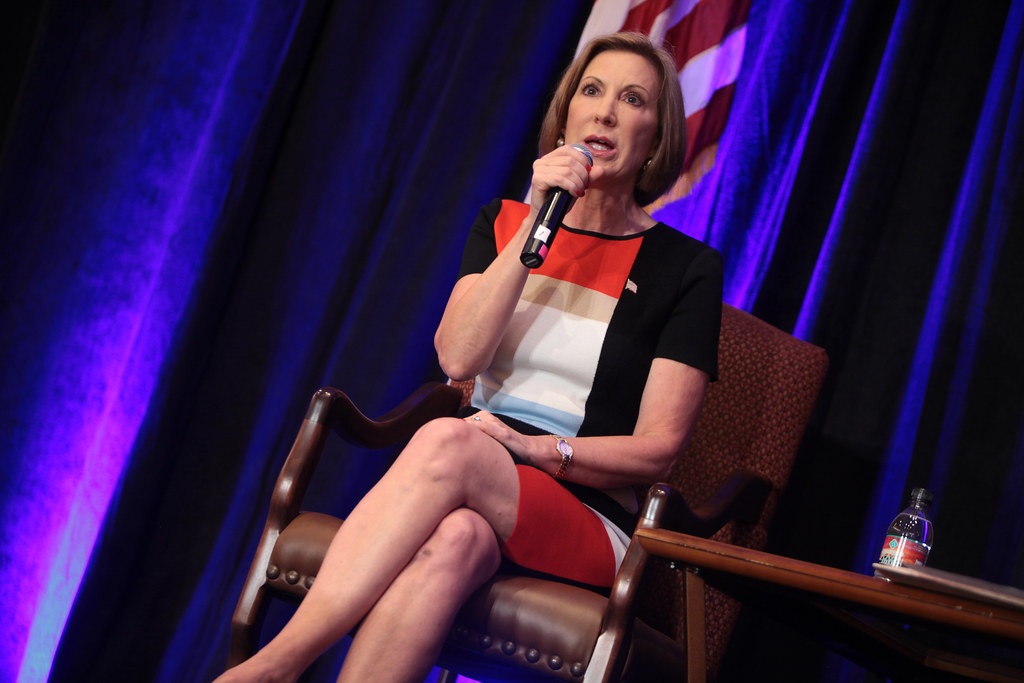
(93, 450)
(976, 191)
(988, 201)
(745, 226)
(815, 293)
(887, 498)
(124, 326)
(141, 134)
(104, 344)
(1004, 545)
(759, 239)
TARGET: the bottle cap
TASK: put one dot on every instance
(923, 495)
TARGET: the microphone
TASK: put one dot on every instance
(555, 207)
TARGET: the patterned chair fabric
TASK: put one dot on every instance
(753, 418)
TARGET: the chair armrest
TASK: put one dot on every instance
(430, 401)
(741, 497)
(612, 646)
(331, 408)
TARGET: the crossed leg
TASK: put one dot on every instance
(417, 544)
(401, 637)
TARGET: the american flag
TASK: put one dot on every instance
(707, 38)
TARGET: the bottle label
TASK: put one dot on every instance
(900, 551)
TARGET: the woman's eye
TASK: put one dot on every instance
(589, 90)
(634, 99)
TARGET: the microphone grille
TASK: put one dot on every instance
(585, 150)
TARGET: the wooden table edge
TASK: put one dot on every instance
(945, 608)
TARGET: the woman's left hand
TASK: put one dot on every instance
(520, 444)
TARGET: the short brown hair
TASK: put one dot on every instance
(670, 138)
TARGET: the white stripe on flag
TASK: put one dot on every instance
(712, 69)
(607, 16)
(671, 16)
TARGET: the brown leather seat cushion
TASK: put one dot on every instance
(549, 627)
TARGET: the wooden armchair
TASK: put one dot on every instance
(531, 628)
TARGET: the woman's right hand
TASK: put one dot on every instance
(564, 167)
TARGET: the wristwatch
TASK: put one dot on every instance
(564, 449)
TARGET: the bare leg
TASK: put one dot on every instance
(447, 465)
(399, 640)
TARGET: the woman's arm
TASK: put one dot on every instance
(478, 311)
(669, 408)
(481, 304)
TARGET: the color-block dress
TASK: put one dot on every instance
(576, 355)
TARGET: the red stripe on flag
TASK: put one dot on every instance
(704, 127)
(705, 27)
(642, 17)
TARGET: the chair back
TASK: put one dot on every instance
(754, 419)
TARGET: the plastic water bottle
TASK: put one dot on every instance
(909, 538)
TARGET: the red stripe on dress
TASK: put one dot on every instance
(556, 534)
(570, 249)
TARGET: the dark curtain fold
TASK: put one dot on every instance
(210, 210)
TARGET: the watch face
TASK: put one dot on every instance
(564, 448)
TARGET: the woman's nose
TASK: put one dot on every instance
(606, 112)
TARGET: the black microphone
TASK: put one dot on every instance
(551, 215)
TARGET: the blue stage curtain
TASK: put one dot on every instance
(210, 209)
(868, 198)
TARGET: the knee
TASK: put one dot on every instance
(463, 544)
(442, 432)
(441, 447)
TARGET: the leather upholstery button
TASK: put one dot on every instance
(577, 669)
(532, 655)
(292, 577)
(273, 571)
(555, 662)
(508, 647)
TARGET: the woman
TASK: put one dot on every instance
(590, 371)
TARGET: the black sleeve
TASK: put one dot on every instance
(481, 248)
(691, 332)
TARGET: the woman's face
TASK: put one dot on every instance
(614, 111)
